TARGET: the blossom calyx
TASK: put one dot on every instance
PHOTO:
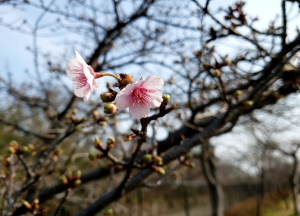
(126, 78)
(110, 108)
(107, 97)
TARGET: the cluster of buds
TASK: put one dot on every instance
(14, 148)
(110, 143)
(148, 158)
(237, 14)
(71, 180)
(34, 207)
(101, 120)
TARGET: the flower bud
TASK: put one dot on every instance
(74, 111)
(110, 108)
(63, 179)
(8, 160)
(159, 170)
(107, 97)
(11, 150)
(206, 66)
(26, 204)
(95, 114)
(92, 156)
(78, 174)
(227, 63)
(127, 78)
(237, 94)
(248, 104)
(76, 182)
(171, 81)
(77, 128)
(129, 137)
(110, 142)
(108, 212)
(192, 165)
(102, 123)
(166, 99)
(158, 160)
(147, 158)
(24, 149)
(217, 73)
(97, 143)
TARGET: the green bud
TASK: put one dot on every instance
(249, 104)
(110, 108)
(25, 149)
(189, 155)
(110, 142)
(77, 127)
(166, 99)
(78, 174)
(161, 171)
(11, 150)
(107, 97)
(108, 212)
(77, 182)
(92, 156)
(147, 158)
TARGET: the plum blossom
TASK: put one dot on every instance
(83, 77)
(140, 96)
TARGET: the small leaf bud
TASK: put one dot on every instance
(158, 160)
(248, 104)
(159, 170)
(25, 149)
(26, 204)
(74, 111)
(166, 99)
(92, 156)
(102, 123)
(147, 158)
(110, 108)
(11, 150)
(63, 179)
(238, 93)
(217, 73)
(97, 143)
(107, 97)
(78, 174)
(95, 114)
(110, 142)
(108, 212)
(129, 137)
(76, 182)
(77, 128)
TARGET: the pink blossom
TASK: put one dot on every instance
(140, 96)
(83, 77)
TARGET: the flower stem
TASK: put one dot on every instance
(100, 74)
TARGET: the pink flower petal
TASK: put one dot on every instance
(157, 99)
(122, 101)
(139, 111)
(153, 82)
